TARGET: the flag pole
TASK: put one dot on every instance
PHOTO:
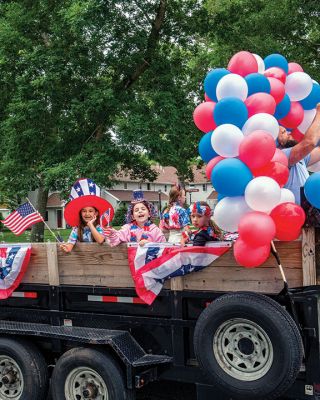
(59, 241)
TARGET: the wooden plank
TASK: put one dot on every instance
(177, 283)
(309, 257)
(53, 269)
(37, 271)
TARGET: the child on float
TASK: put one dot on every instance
(83, 214)
(206, 230)
(139, 227)
(175, 218)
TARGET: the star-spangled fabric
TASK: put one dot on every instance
(14, 261)
(84, 187)
(154, 263)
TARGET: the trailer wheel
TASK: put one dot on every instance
(84, 373)
(248, 346)
(23, 371)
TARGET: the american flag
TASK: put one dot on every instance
(105, 220)
(154, 263)
(23, 217)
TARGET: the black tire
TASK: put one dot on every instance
(248, 346)
(23, 371)
(82, 369)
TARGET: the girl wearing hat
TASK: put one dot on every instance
(206, 229)
(139, 227)
(83, 214)
(175, 218)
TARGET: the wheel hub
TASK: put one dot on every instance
(85, 383)
(243, 349)
(11, 379)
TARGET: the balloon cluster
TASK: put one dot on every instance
(244, 105)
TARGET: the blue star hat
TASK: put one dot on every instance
(85, 193)
(138, 197)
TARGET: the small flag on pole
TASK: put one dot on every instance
(23, 217)
(105, 220)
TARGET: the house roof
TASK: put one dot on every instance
(168, 175)
(54, 200)
(126, 195)
(213, 195)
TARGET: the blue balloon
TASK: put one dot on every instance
(230, 177)
(205, 148)
(230, 110)
(220, 196)
(257, 83)
(276, 60)
(211, 81)
(313, 99)
(312, 189)
(283, 107)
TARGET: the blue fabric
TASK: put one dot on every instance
(298, 174)
(87, 236)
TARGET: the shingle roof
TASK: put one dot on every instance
(54, 200)
(213, 195)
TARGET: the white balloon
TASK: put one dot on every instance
(307, 120)
(226, 140)
(261, 66)
(262, 194)
(232, 85)
(298, 86)
(314, 167)
(263, 121)
(228, 212)
(286, 196)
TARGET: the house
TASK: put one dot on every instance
(156, 192)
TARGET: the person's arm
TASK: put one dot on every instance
(66, 247)
(115, 237)
(308, 143)
(314, 156)
(72, 240)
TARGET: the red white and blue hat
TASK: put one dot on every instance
(85, 193)
(138, 197)
(198, 208)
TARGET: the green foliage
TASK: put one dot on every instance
(120, 214)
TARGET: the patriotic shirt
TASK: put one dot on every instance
(87, 235)
(130, 231)
(176, 218)
(203, 235)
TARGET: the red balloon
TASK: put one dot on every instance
(257, 228)
(277, 89)
(257, 149)
(294, 116)
(203, 116)
(275, 72)
(287, 236)
(297, 135)
(207, 98)
(249, 256)
(243, 63)
(211, 164)
(294, 67)
(280, 157)
(260, 103)
(275, 170)
(288, 217)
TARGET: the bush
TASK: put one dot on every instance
(120, 215)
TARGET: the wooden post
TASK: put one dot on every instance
(53, 270)
(308, 257)
(176, 283)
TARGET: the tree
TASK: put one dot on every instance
(72, 72)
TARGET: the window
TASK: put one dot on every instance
(165, 188)
(140, 185)
(204, 187)
(148, 186)
(125, 185)
(46, 217)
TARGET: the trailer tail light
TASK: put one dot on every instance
(26, 295)
(116, 299)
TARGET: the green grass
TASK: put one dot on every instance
(9, 237)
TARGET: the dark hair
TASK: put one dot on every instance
(83, 224)
(145, 203)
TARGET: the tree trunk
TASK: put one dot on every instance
(37, 231)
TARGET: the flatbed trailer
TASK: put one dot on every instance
(76, 328)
